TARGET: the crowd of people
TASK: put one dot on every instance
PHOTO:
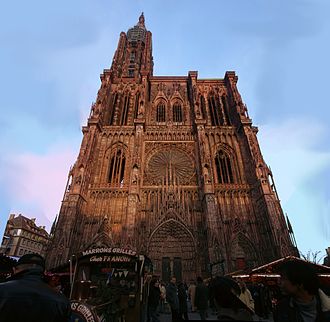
(174, 297)
(299, 298)
(26, 296)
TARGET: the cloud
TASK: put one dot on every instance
(289, 149)
(35, 183)
(300, 170)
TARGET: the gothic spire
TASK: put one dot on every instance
(138, 32)
(141, 21)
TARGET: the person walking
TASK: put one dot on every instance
(183, 307)
(153, 301)
(162, 289)
(191, 294)
(173, 299)
(201, 299)
(25, 297)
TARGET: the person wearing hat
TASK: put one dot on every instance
(25, 297)
(225, 292)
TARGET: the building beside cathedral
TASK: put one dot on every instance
(23, 236)
(170, 166)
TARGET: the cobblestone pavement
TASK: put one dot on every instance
(192, 316)
(166, 317)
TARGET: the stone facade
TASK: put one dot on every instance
(170, 166)
(22, 236)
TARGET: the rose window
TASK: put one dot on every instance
(169, 167)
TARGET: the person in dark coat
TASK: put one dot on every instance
(153, 301)
(183, 307)
(201, 298)
(25, 297)
(173, 299)
(300, 284)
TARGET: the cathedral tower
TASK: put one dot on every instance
(170, 166)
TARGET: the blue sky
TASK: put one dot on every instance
(53, 52)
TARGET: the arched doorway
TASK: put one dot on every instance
(243, 254)
(172, 250)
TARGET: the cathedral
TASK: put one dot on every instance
(170, 166)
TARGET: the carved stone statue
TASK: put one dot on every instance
(197, 110)
(206, 174)
(135, 175)
(78, 179)
(141, 109)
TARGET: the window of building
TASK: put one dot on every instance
(132, 57)
(136, 105)
(215, 111)
(20, 252)
(124, 111)
(225, 109)
(131, 73)
(203, 107)
(160, 116)
(224, 168)
(117, 168)
(177, 112)
(113, 106)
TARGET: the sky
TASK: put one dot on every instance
(52, 53)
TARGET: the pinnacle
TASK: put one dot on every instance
(141, 20)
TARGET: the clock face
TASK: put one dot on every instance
(171, 166)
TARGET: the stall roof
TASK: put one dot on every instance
(275, 266)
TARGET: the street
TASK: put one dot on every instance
(166, 317)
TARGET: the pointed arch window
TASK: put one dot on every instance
(224, 168)
(160, 116)
(131, 72)
(225, 109)
(243, 254)
(132, 56)
(202, 105)
(113, 109)
(136, 105)
(117, 168)
(177, 112)
(215, 111)
(124, 111)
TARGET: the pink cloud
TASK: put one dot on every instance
(36, 183)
